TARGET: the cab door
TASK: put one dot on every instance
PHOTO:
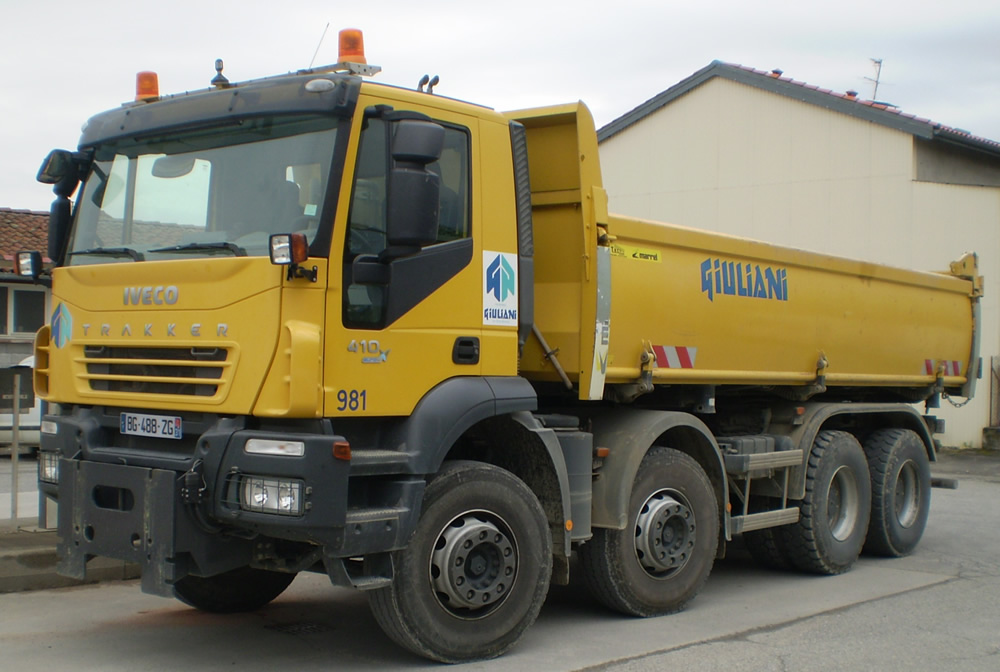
(392, 338)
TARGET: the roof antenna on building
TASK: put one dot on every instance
(877, 62)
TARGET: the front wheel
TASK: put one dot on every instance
(901, 491)
(238, 590)
(476, 571)
(660, 561)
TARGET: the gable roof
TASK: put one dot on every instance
(773, 81)
(22, 230)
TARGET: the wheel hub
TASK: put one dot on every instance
(664, 533)
(906, 498)
(473, 564)
(843, 504)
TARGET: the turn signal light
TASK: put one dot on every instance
(352, 46)
(342, 450)
(147, 86)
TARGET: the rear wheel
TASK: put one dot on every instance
(660, 561)
(835, 510)
(901, 491)
(476, 571)
(238, 590)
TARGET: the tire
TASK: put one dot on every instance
(660, 561)
(476, 570)
(766, 546)
(235, 591)
(835, 511)
(901, 491)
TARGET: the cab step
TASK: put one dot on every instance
(758, 521)
(738, 465)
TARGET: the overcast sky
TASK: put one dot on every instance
(62, 61)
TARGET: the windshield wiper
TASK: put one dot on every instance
(201, 247)
(112, 252)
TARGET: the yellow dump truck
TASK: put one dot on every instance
(312, 323)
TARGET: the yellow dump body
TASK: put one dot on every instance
(720, 309)
(684, 306)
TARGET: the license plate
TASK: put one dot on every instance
(159, 426)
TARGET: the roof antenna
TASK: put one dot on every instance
(430, 83)
(219, 81)
(321, 37)
(877, 62)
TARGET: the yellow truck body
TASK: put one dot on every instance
(695, 307)
(311, 323)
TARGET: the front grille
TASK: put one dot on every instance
(196, 372)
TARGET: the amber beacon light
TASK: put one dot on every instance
(147, 86)
(352, 46)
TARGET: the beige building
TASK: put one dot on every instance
(757, 154)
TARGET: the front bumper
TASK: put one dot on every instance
(134, 501)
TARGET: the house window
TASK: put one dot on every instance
(22, 311)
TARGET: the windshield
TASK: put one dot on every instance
(218, 191)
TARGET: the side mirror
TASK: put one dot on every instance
(56, 167)
(60, 219)
(417, 142)
(414, 191)
(61, 170)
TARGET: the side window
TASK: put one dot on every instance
(366, 232)
(453, 167)
(364, 304)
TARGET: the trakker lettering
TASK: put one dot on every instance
(732, 278)
(221, 330)
(150, 296)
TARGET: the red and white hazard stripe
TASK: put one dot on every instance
(951, 367)
(674, 356)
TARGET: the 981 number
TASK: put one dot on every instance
(352, 400)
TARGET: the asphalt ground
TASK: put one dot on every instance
(28, 558)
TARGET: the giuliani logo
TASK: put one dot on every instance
(500, 279)
(499, 289)
(729, 278)
(62, 325)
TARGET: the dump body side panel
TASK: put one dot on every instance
(718, 309)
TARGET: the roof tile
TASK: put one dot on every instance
(22, 230)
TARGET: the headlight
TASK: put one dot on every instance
(48, 467)
(271, 495)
